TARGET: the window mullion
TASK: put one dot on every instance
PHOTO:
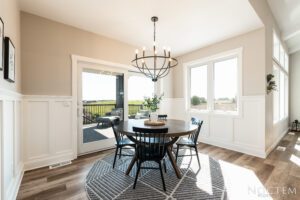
(210, 85)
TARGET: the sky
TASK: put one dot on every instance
(225, 76)
(97, 86)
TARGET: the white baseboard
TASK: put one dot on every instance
(48, 160)
(275, 143)
(253, 151)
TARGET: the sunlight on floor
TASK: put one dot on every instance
(297, 147)
(242, 183)
(295, 159)
(203, 175)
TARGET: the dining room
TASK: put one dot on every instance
(149, 99)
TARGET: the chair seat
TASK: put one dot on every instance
(126, 141)
(186, 142)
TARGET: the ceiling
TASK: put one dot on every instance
(183, 25)
(287, 14)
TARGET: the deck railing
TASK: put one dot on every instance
(91, 111)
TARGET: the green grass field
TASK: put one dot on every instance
(90, 108)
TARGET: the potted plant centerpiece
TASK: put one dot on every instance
(152, 104)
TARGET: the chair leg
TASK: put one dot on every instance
(117, 149)
(137, 173)
(165, 166)
(197, 156)
(120, 152)
(177, 152)
(162, 175)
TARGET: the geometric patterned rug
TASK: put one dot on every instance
(204, 182)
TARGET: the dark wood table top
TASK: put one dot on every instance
(176, 128)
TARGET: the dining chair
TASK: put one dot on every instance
(162, 117)
(122, 142)
(191, 140)
(151, 146)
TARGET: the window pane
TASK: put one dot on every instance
(276, 95)
(282, 95)
(286, 62)
(275, 46)
(282, 54)
(286, 95)
(199, 87)
(225, 84)
(138, 88)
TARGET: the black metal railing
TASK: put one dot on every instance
(134, 108)
(92, 111)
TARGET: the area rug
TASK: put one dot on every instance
(204, 182)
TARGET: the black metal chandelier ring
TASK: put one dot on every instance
(160, 64)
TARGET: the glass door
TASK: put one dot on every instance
(100, 100)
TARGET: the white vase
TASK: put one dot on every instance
(153, 116)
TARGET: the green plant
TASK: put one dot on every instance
(271, 84)
(195, 100)
(152, 102)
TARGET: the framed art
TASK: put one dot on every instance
(9, 60)
(1, 44)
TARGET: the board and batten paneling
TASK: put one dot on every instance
(244, 133)
(11, 164)
(49, 131)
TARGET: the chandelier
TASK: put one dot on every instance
(151, 63)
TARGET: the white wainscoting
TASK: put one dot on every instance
(245, 133)
(11, 164)
(50, 134)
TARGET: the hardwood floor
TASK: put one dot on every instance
(279, 173)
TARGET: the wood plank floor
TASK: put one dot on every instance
(279, 172)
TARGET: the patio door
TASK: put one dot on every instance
(100, 100)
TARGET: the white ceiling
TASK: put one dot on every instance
(287, 14)
(183, 25)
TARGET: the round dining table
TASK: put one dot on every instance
(176, 128)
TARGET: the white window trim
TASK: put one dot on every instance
(212, 59)
(285, 70)
(281, 69)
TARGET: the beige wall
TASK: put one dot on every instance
(273, 132)
(9, 12)
(46, 54)
(253, 61)
(294, 86)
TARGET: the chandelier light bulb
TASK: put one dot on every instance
(144, 48)
(136, 51)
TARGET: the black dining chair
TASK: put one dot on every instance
(162, 117)
(151, 146)
(122, 142)
(191, 141)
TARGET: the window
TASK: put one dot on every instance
(138, 88)
(225, 82)
(276, 47)
(280, 72)
(213, 84)
(199, 87)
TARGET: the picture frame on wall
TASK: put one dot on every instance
(1, 44)
(9, 60)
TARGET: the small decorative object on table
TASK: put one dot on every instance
(295, 125)
(154, 123)
(152, 104)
